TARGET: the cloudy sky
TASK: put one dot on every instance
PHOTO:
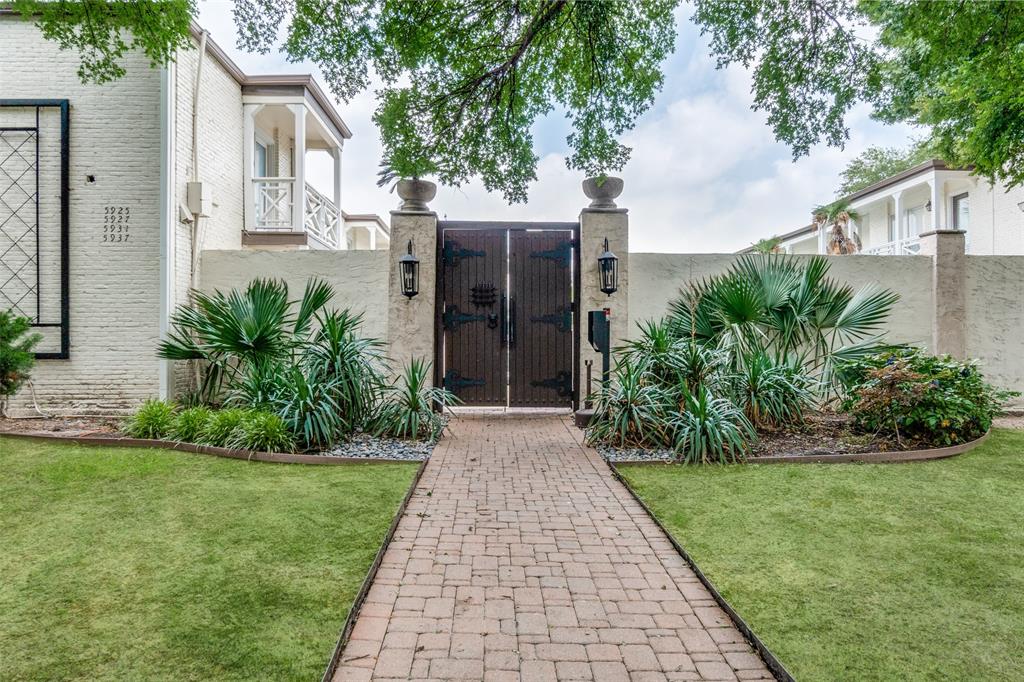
(706, 174)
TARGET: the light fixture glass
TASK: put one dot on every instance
(409, 273)
(608, 267)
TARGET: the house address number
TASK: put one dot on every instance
(116, 224)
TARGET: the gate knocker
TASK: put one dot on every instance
(492, 321)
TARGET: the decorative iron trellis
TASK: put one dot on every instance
(20, 228)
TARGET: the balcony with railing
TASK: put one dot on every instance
(274, 211)
(909, 246)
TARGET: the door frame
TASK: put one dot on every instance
(456, 225)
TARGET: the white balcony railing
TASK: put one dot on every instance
(323, 219)
(909, 246)
(273, 203)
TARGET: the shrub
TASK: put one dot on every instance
(306, 403)
(910, 395)
(16, 356)
(263, 431)
(220, 427)
(190, 423)
(155, 419)
(407, 409)
(711, 429)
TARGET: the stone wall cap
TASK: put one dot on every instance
(931, 232)
(399, 212)
(604, 210)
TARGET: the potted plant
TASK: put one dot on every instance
(406, 174)
(602, 190)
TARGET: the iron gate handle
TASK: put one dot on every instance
(512, 321)
(504, 322)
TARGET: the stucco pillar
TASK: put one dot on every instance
(949, 290)
(597, 224)
(411, 320)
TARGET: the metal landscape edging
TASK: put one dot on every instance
(886, 457)
(231, 453)
(364, 589)
(775, 666)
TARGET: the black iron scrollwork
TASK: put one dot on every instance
(561, 254)
(453, 317)
(561, 382)
(561, 319)
(452, 253)
(483, 294)
(454, 383)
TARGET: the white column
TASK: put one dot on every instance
(901, 228)
(342, 236)
(935, 196)
(373, 238)
(299, 160)
(249, 112)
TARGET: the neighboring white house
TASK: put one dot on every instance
(892, 213)
(109, 194)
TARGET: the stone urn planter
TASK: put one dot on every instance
(415, 194)
(602, 192)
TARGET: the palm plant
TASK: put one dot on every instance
(236, 331)
(306, 401)
(786, 309)
(837, 217)
(408, 408)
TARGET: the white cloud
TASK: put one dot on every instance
(706, 173)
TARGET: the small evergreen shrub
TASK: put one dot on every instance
(910, 395)
(189, 424)
(407, 409)
(221, 426)
(263, 431)
(16, 356)
(155, 419)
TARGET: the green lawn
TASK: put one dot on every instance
(864, 572)
(130, 564)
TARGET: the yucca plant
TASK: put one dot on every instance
(155, 419)
(771, 394)
(189, 424)
(632, 409)
(710, 430)
(409, 407)
(305, 400)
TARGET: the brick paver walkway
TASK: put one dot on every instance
(521, 558)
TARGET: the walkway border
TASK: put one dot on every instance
(364, 589)
(889, 457)
(775, 666)
(231, 453)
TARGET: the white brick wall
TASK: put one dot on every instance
(115, 288)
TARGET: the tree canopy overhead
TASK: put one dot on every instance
(464, 80)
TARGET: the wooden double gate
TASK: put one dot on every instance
(506, 314)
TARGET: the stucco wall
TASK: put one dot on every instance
(656, 279)
(359, 278)
(995, 317)
(115, 287)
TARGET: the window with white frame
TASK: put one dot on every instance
(961, 211)
(914, 220)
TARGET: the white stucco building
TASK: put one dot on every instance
(111, 193)
(894, 212)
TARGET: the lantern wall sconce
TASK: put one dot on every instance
(409, 273)
(608, 268)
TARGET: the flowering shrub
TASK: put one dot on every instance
(911, 395)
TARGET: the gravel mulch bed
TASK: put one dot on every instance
(365, 445)
(362, 445)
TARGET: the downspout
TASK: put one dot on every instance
(196, 232)
(167, 219)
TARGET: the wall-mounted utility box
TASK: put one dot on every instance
(199, 199)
